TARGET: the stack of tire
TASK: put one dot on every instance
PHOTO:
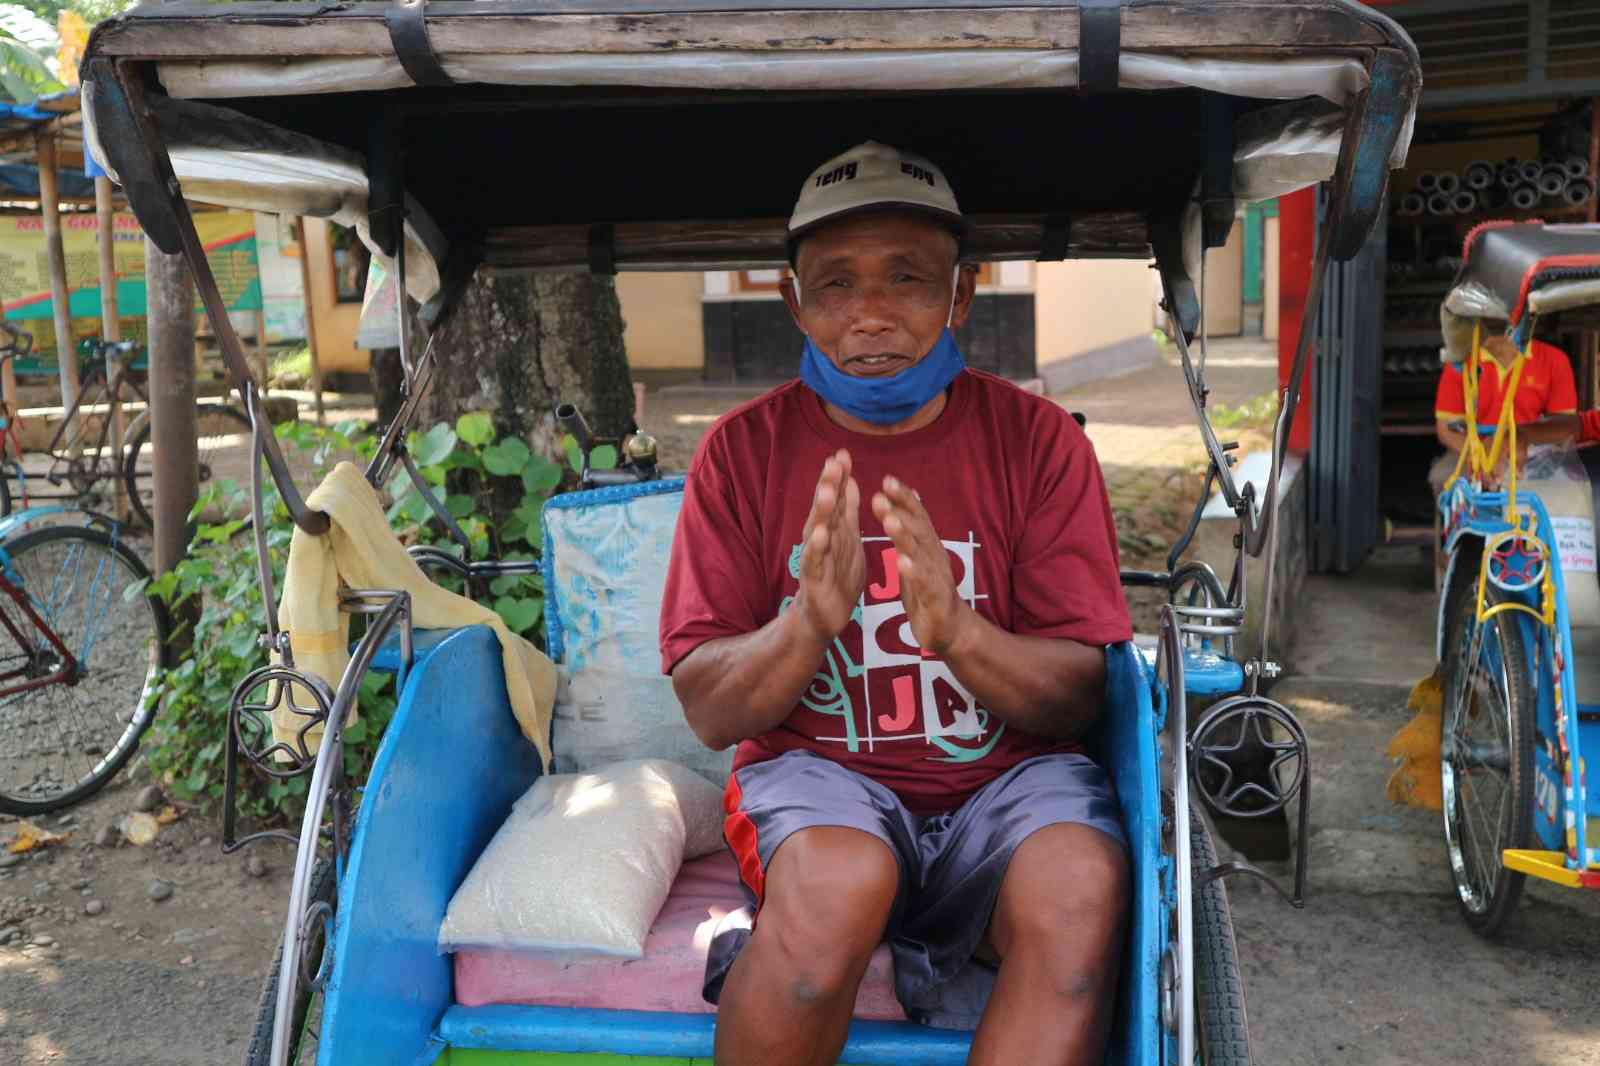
(1514, 185)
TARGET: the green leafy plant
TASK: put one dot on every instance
(473, 470)
(185, 744)
(1256, 411)
(24, 77)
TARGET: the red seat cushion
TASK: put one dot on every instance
(669, 976)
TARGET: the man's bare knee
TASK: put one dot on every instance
(1064, 899)
(829, 894)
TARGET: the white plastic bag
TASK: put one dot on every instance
(1557, 476)
(584, 861)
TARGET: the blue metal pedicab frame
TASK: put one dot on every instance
(378, 114)
(1511, 716)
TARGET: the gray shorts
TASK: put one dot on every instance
(951, 865)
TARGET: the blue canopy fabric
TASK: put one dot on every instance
(20, 181)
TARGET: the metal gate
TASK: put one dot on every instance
(1346, 394)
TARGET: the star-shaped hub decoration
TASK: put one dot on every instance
(1239, 763)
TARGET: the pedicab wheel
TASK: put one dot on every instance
(1224, 1037)
(307, 1024)
(1486, 759)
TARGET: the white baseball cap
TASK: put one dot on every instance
(873, 176)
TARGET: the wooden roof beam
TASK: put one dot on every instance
(188, 29)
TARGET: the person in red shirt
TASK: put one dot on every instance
(1545, 387)
(892, 585)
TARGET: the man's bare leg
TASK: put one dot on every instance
(1058, 931)
(787, 999)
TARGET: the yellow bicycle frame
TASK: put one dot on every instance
(1479, 462)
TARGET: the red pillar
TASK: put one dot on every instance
(1297, 232)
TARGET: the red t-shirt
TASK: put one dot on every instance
(1015, 492)
(1545, 388)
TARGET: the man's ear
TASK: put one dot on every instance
(966, 288)
(791, 298)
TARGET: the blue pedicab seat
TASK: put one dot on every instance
(453, 762)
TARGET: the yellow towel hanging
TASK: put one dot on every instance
(361, 551)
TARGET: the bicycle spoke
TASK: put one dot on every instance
(1483, 851)
(1471, 834)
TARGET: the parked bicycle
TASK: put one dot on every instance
(85, 460)
(80, 648)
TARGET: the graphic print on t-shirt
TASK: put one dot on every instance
(910, 695)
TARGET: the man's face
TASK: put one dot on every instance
(875, 290)
(1497, 342)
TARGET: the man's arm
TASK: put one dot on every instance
(742, 686)
(737, 687)
(1454, 439)
(1047, 686)
(1555, 429)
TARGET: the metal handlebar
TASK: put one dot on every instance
(571, 419)
(103, 347)
(21, 341)
(641, 464)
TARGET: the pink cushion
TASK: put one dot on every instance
(669, 976)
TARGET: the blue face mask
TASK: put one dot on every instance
(886, 400)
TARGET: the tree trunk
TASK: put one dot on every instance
(387, 377)
(519, 344)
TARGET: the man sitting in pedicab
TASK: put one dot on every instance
(892, 585)
(1544, 388)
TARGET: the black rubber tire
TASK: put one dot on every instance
(1224, 1031)
(90, 540)
(324, 888)
(5, 488)
(140, 489)
(1463, 581)
(1516, 828)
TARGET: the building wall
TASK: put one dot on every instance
(1092, 316)
(1269, 274)
(336, 323)
(1224, 283)
(662, 320)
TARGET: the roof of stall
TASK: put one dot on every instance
(674, 133)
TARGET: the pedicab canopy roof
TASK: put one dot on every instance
(673, 134)
(1514, 271)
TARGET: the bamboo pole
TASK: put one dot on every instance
(13, 404)
(50, 209)
(311, 315)
(174, 433)
(110, 323)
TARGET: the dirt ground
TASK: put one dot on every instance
(1377, 969)
(142, 981)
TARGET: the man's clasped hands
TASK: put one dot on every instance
(833, 565)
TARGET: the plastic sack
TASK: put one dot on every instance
(583, 862)
(606, 558)
(1459, 314)
(1558, 477)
